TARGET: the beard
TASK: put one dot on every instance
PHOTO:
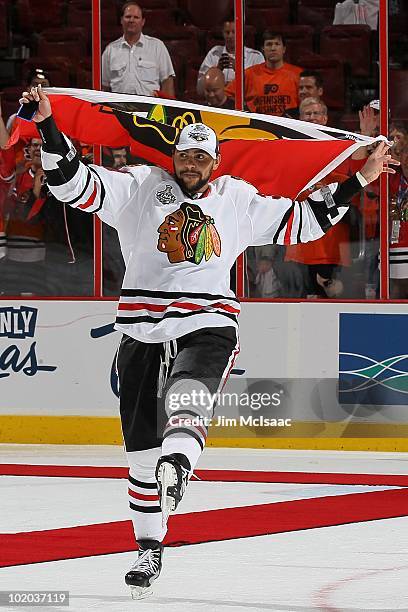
(193, 187)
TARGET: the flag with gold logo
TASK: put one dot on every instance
(279, 156)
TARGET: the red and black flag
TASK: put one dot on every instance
(278, 155)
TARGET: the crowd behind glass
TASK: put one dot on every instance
(176, 50)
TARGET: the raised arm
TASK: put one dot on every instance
(90, 188)
(283, 221)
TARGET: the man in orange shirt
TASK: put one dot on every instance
(272, 87)
(323, 262)
(328, 258)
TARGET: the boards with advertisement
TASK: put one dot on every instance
(340, 371)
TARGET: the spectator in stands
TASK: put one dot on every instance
(136, 63)
(6, 178)
(368, 202)
(113, 264)
(369, 117)
(223, 57)
(119, 157)
(214, 89)
(16, 155)
(399, 228)
(374, 105)
(324, 268)
(360, 12)
(266, 282)
(24, 270)
(49, 249)
(398, 133)
(115, 157)
(272, 87)
(85, 152)
(36, 77)
(322, 265)
(313, 110)
(4, 135)
(310, 86)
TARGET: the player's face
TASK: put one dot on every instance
(132, 20)
(193, 169)
(274, 49)
(308, 88)
(170, 232)
(229, 36)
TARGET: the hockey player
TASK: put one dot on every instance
(180, 235)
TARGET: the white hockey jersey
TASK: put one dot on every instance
(179, 251)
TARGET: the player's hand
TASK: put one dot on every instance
(378, 162)
(36, 94)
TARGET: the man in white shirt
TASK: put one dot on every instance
(136, 63)
(223, 57)
(361, 12)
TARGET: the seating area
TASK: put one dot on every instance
(59, 40)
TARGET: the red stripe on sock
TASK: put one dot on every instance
(142, 496)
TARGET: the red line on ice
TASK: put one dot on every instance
(208, 526)
(83, 471)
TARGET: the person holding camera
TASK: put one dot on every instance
(223, 56)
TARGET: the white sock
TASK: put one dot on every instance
(143, 496)
(184, 444)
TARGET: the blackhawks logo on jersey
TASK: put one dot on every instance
(187, 234)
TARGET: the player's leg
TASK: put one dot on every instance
(138, 366)
(198, 372)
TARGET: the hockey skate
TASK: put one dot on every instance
(172, 474)
(146, 569)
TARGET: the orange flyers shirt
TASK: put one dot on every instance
(292, 68)
(333, 248)
(269, 91)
